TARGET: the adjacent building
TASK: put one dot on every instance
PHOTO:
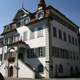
(43, 44)
(79, 40)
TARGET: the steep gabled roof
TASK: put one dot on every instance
(20, 12)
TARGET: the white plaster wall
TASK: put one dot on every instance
(64, 45)
(21, 30)
(32, 43)
(2, 66)
(25, 71)
(61, 43)
(39, 42)
(2, 69)
(0, 50)
(5, 49)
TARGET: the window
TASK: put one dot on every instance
(32, 35)
(10, 40)
(41, 52)
(51, 67)
(16, 38)
(20, 56)
(18, 24)
(40, 15)
(27, 20)
(60, 34)
(36, 52)
(21, 52)
(53, 51)
(21, 22)
(30, 53)
(6, 28)
(54, 32)
(66, 54)
(52, 71)
(69, 37)
(60, 68)
(40, 32)
(64, 36)
(73, 40)
(74, 56)
(61, 53)
(57, 52)
(77, 70)
(25, 35)
(40, 68)
(6, 41)
(10, 71)
(76, 42)
(71, 70)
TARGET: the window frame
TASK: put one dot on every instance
(54, 32)
(64, 36)
(60, 34)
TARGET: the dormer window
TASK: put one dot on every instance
(27, 19)
(22, 22)
(22, 17)
(40, 8)
(40, 15)
(6, 28)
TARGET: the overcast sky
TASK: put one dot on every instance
(8, 9)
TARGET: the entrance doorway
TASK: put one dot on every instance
(10, 71)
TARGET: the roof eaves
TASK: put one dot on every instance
(63, 16)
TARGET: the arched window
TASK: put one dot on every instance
(60, 68)
(40, 68)
(10, 71)
(76, 70)
(71, 70)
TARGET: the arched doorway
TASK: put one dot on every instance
(60, 68)
(76, 71)
(71, 71)
(51, 71)
(10, 71)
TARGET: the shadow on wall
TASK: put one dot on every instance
(30, 52)
(1, 77)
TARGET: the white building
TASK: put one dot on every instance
(43, 44)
